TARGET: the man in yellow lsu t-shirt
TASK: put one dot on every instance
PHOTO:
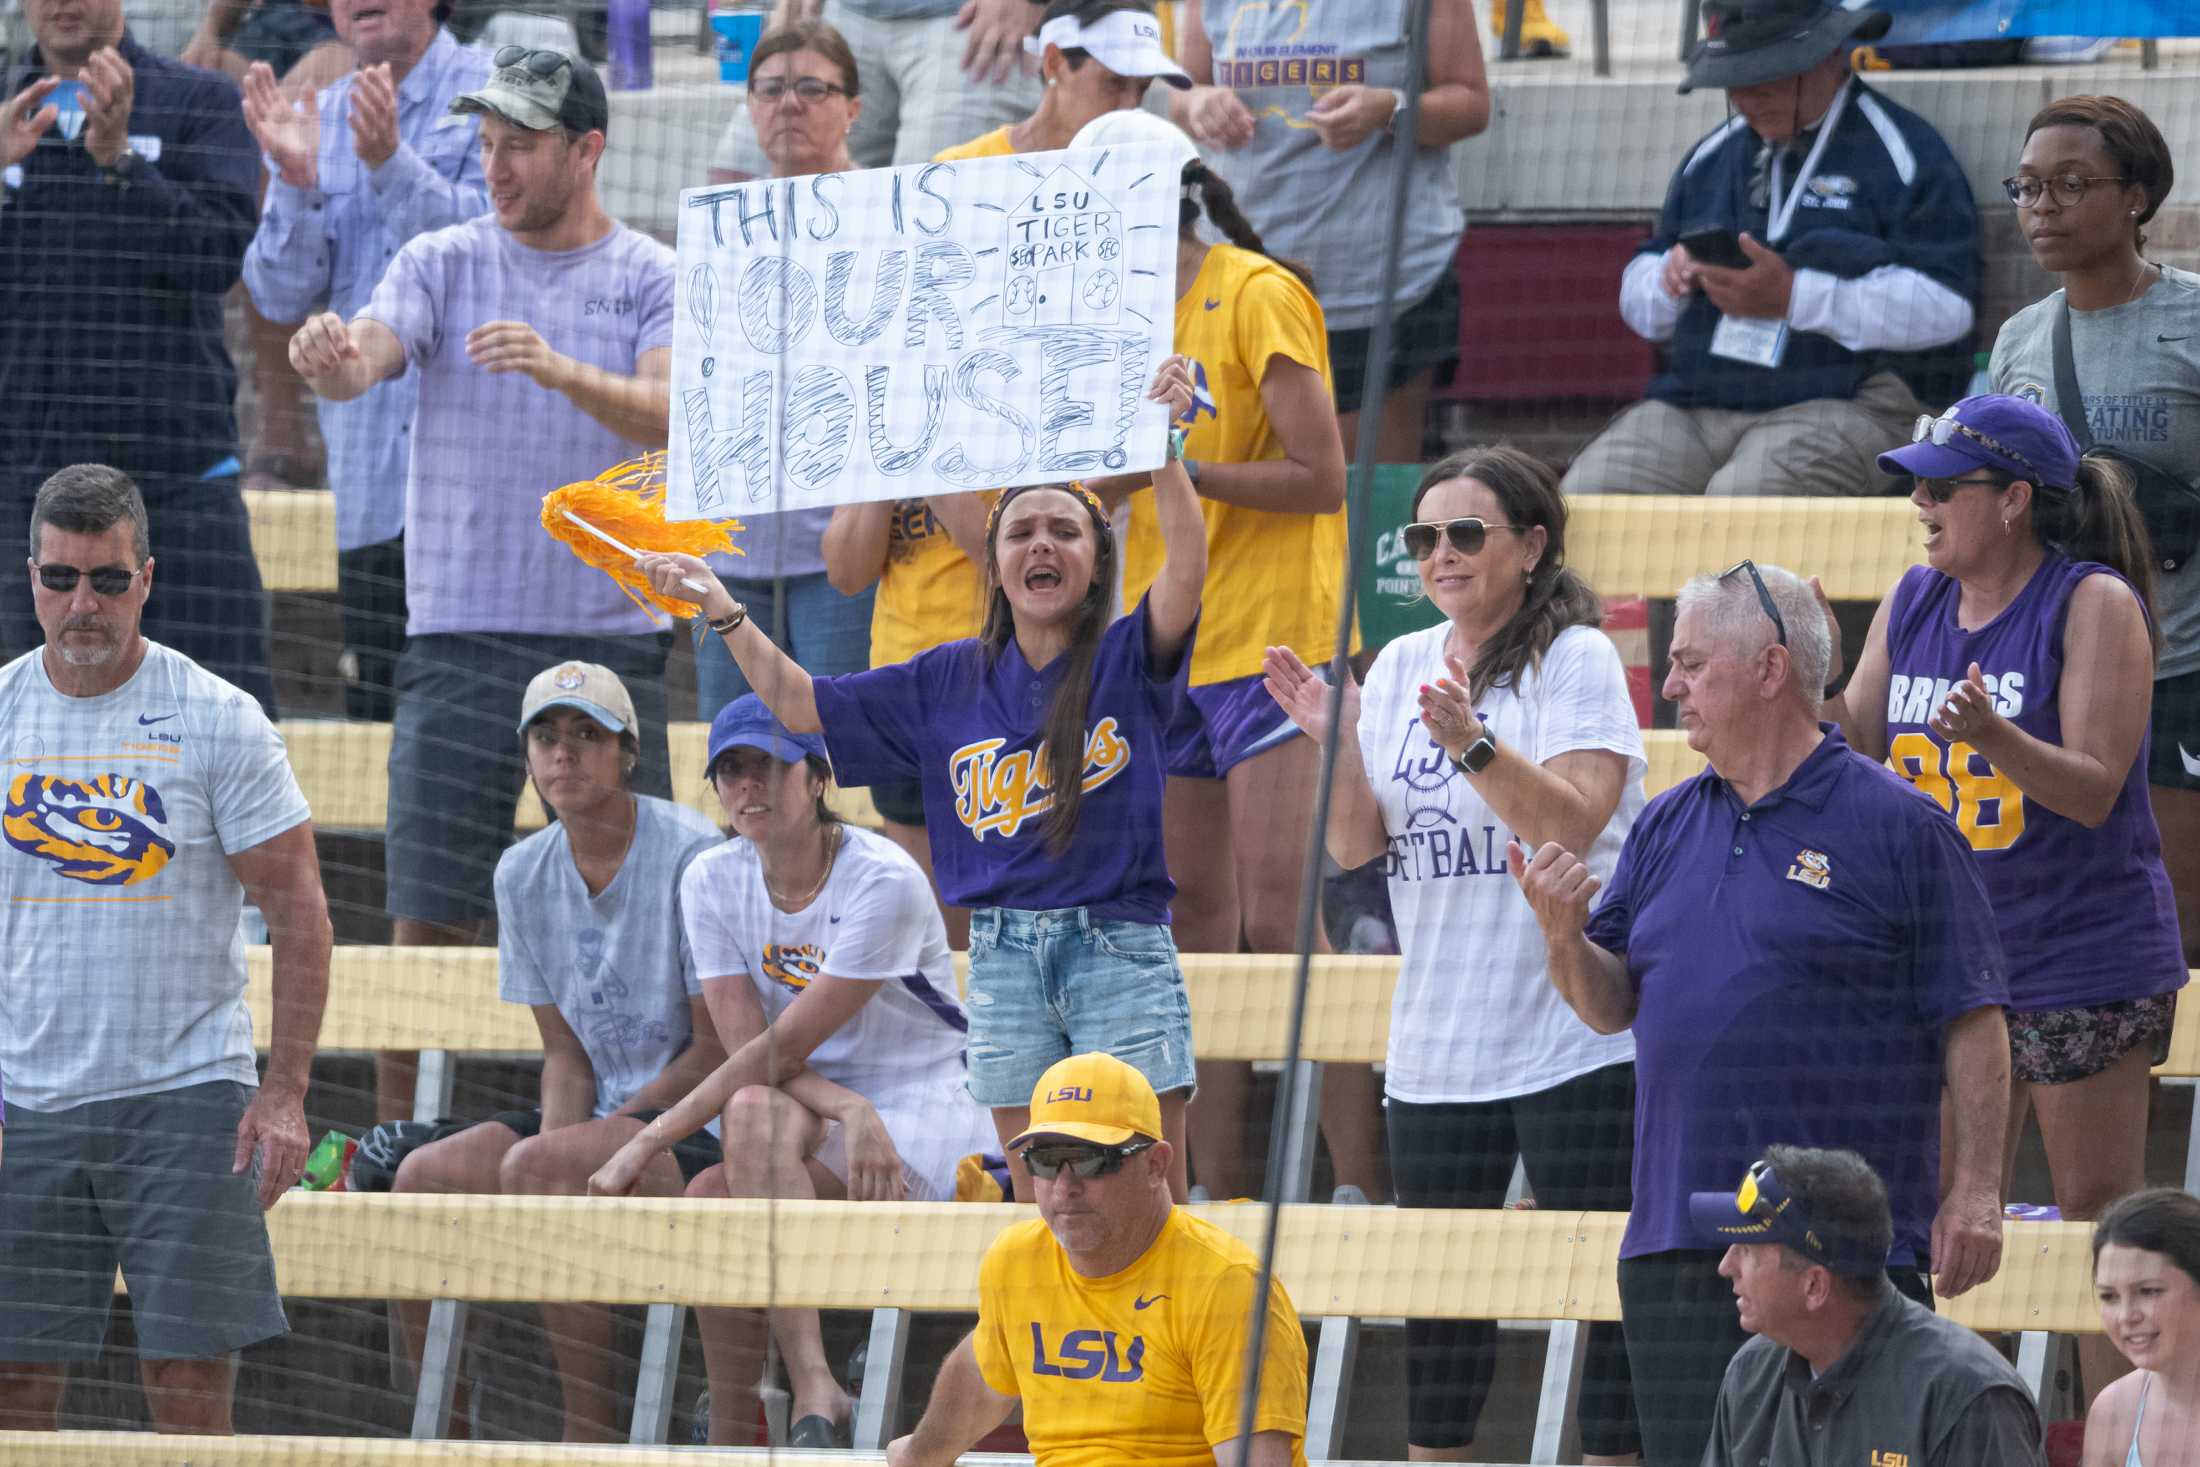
(1122, 1323)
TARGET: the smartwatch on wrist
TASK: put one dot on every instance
(1397, 111)
(1476, 756)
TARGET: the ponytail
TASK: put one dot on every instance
(2099, 521)
(1207, 193)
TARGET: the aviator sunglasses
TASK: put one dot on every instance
(107, 580)
(1049, 1162)
(1467, 536)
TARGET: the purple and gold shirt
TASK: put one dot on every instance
(970, 731)
(2086, 916)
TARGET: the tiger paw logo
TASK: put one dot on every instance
(109, 831)
(1812, 869)
(791, 966)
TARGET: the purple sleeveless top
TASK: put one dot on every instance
(2086, 916)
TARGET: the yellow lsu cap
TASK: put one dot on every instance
(1092, 1097)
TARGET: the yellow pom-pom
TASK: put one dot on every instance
(627, 503)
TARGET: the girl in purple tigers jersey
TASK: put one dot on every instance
(1039, 747)
(2009, 677)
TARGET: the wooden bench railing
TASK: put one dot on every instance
(1340, 1264)
(1626, 544)
(342, 767)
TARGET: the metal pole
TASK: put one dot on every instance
(1280, 1142)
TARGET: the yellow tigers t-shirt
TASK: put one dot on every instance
(929, 592)
(1143, 1366)
(993, 144)
(1272, 579)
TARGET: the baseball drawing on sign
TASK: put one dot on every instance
(982, 324)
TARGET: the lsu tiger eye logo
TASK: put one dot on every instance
(109, 831)
(790, 966)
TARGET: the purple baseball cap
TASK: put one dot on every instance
(1990, 431)
(1762, 1210)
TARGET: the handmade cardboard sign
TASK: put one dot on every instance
(907, 331)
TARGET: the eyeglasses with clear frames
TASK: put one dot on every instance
(2069, 188)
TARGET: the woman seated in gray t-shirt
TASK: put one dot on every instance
(589, 937)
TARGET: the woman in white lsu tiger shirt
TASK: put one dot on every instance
(824, 961)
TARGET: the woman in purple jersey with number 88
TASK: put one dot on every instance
(1039, 747)
(2010, 678)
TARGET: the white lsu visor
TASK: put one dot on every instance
(1126, 42)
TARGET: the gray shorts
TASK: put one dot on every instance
(455, 766)
(143, 1182)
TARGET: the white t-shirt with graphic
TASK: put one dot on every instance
(615, 964)
(1475, 1017)
(876, 921)
(124, 970)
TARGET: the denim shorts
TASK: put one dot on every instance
(1047, 985)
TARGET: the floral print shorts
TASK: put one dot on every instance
(2057, 1046)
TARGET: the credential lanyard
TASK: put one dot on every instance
(1783, 210)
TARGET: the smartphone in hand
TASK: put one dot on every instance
(1719, 247)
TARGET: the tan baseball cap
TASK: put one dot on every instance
(539, 90)
(589, 686)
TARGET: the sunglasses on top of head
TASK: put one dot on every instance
(107, 580)
(1048, 1161)
(541, 63)
(1467, 535)
(1764, 595)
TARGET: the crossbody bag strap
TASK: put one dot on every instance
(2068, 402)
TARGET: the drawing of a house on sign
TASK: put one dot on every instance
(1064, 256)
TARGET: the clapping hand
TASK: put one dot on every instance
(1968, 713)
(288, 132)
(374, 115)
(110, 87)
(1558, 885)
(25, 118)
(1447, 715)
(1303, 696)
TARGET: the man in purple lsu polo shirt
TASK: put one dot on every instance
(1803, 948)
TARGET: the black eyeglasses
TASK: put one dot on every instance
(809, 89)
(1467, 536)
(541, 63)
(1940, 491)
(107, 580)
(1764, 596)
(1049, 1162)
(2069, 188)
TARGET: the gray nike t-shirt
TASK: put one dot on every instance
(2139, 372)
(616, 964)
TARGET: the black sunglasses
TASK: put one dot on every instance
(1049, 1162)
(1764, 596)
(541, 63)
(107, 580)
(1940, 491)
(1467, 536)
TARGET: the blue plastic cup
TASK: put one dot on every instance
(738, 32)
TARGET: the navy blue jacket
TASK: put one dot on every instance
(1886, 192)
(111, 294)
